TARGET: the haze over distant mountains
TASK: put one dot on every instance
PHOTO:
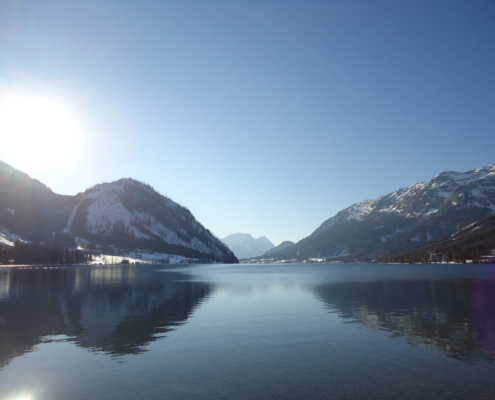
(126, 214)
(245, 246)
(281, 246)
(402, 220)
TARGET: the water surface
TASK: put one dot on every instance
(248, 331)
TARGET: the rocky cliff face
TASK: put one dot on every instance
(404, 219)
(124, 214)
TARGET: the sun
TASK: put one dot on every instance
(36, 132)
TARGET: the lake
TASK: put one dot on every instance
(264, 331)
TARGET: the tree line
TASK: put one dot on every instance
(41, 253)
(458, 254)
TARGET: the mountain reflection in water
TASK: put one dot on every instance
(117, 310)
(457, 316)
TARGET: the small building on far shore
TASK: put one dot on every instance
(438, 257)
(488, 259)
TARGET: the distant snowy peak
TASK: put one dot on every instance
(236, 238)
(245, 246)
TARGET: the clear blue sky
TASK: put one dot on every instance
(263, 117)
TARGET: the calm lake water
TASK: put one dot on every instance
(248, 331)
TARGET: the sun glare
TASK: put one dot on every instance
(23, 396)
(37, 133)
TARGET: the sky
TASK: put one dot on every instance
(261, 117)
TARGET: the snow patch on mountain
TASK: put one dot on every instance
(105, 214)
(415, 238)
(391, 235)
(359, 210)
(431, 211)
(151, 258)
(328, 223)
(339, 253)
(81, 243)
(8, 238)
(410, 202)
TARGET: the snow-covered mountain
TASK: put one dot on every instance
(245, 246)
(404, 219)
(123, 214)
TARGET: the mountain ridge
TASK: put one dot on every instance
(401, 220)
(125, 214)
